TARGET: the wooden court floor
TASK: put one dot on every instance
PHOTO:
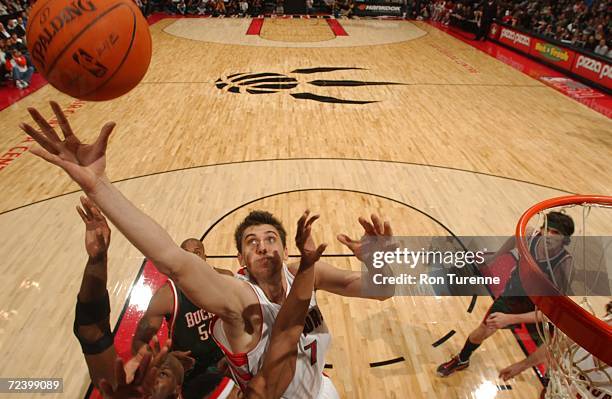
(461, 143)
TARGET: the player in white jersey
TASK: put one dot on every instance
(312, 346)
(261, 246)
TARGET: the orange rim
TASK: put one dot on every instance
(582, 327)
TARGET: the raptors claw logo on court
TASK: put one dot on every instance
(270, 82)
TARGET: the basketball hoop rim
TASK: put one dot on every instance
(578, 324)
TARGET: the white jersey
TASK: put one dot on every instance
(313, 344)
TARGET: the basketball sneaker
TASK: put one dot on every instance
(455, 364)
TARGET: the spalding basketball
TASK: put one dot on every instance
(89, 49)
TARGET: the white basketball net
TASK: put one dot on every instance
(573, 372)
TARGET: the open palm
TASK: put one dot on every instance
(85, 163)
(377, 233)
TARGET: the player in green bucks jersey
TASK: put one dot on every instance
(188, 327)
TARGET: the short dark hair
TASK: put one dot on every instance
(256, 218)
(561, 222)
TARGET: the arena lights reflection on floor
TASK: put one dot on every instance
(486, 390)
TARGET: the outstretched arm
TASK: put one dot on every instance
(85, 164)
(279, 361)
(91, 325)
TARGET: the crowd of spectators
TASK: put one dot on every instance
(239, 7)
(583, 24)
(15, 63)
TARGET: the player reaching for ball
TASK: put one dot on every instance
(92, 328)
(160, 374)
(246, 309)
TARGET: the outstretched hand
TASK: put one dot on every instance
(85, 163)
(97, 232)
(372, 231)
(303, 240)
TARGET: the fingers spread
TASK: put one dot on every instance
(61, 118)
(43, 125)
(367, 226)
(378, 225)
(102, 141)
(312, 220)
(387, 229)
(39, 138)
(346, 240)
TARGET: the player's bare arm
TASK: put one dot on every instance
(85, 164)
(92, 326)
(499, 320)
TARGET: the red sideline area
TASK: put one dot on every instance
(592, 98)
(255, 27)
(335, 26)
(146, 284)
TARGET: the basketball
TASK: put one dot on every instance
(89, 49)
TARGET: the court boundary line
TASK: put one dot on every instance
(304, 159)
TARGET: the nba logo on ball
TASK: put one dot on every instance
(89, 49)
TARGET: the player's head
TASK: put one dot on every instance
(194, 246)
(169, 379)
(258, 237)
(559, 227)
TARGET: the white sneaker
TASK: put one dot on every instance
(25, 84)
(19, 84)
